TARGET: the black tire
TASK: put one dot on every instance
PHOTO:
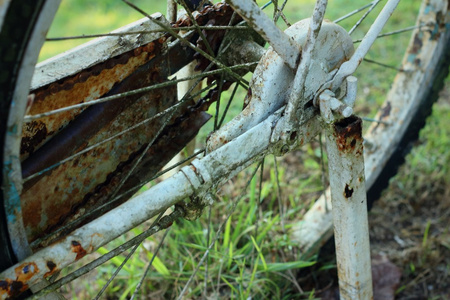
(18, 24)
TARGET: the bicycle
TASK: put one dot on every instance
(156, 48)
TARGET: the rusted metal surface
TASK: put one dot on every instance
(349, 132)
(86, 85)
(67, 195)
(78, 250)
(349, 201)
(53, 197)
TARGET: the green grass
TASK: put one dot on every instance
(253, 257)
(242, 263)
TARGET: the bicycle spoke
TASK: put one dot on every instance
(266, 5)
(364, 16)
(228, 105)
(208, 235)
(258, 204)
(322, 167)
(278, 12)
(171, 110)
(133, 250)
(354, 12)
(219, 93)
(189, 44)
(29, 118)
(163, 223)
(382, 64)
(407, 29)
(218, 232)
(136, 291)
(279, 195)
(90, 36)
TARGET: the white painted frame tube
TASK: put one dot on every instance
(349, 201)
(280, 41)
(197, 178)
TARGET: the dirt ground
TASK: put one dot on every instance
(410, 225)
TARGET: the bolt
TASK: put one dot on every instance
(350, 96)
(329, 103)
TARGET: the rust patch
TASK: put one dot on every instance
(78, 249)
(417, 44)
(87, 85)
(248, 98)
(348, 192)
(348, 134)
(51, 269)
(26, 271)
(11, 288)
(37, 134)
(384, 113)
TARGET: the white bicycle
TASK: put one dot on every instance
(103, 119)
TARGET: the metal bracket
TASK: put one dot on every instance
(329, 104)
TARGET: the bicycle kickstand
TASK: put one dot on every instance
(348, 195)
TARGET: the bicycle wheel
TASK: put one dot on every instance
(432, 78)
